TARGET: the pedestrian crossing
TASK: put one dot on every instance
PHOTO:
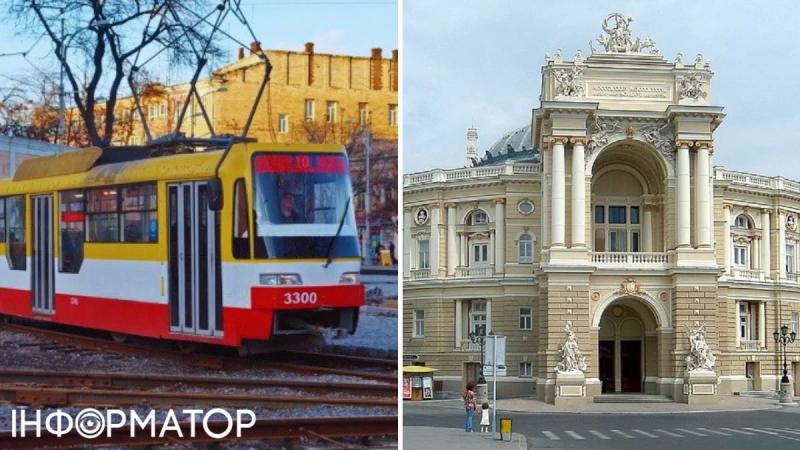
(672, 433)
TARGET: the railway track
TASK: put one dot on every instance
(311, 363)
(132, 381)
(321, 428)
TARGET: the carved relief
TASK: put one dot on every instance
(569, 82)
(605, 131)
(692, 86)
(572, 360)
(630, 287)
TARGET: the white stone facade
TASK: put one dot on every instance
(618, 223)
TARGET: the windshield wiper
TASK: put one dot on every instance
(328, 256)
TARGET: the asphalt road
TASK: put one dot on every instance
(778, 428)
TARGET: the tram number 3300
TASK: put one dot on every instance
(298, 298)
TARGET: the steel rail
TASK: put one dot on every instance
(118, 380)
(50, 396)
(263, 429)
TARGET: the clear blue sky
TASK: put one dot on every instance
(478, 61)
(335, 26)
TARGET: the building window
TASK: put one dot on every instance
(525, 249)
(796, 322)
(424, 254)
(139, 217)
(790, 258)
(741, 222)
(72, 231)
(616, 228)
(283, 123)
(15, 232)
(525, 370)
(309, 109)
(480, 254)
(525, 319)
(477, 317)
(748, 321)
(419, 323)
(363, 114)
(741, 257)
(331, 111)
(392, 115)
(478, 218)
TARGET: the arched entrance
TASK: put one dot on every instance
(627, 346)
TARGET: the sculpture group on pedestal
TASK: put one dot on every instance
(572, 360)
(700, 357)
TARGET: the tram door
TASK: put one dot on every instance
(195, 277)
(42, 261)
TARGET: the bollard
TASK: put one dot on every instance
(505, 428)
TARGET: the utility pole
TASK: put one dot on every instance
(367, 193)
(61, 103)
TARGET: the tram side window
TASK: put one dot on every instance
(2, 220)
(15, 231)
(102, 215)
(241, 224)
(139, 218)
(72, 231)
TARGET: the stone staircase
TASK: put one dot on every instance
(632, 398)
(758, 394)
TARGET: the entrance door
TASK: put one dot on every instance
(472, 371)
(195, 281)
(631, 365)
(42, 260)
(606, 365)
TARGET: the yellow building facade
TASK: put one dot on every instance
(310, 98)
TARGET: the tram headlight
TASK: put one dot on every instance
(349, 278)
(280, 279)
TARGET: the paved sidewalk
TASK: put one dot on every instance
(529, 405)
(423, 438)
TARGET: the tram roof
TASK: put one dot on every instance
(91, 167)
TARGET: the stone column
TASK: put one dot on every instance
(781, 244)
(647, 228)
(762, 325)
(407, 224)
(452, 249)
(727, 250)
(755, 254)
(766, 265)
(488, 316)
(702, 197)
(545, 210)
(500, 236)
(458, 324)
(578, 193)
(682, 197)
(434, 243)
(558, 196)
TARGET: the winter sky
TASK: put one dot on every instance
(479, 62)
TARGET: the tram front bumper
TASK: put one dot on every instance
(310, 309)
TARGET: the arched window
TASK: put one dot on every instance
(478, 218)
(742, 222)
(525, 249)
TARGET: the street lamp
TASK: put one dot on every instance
(783, 337)
(479, 339)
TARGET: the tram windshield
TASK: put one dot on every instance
(300, 201)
